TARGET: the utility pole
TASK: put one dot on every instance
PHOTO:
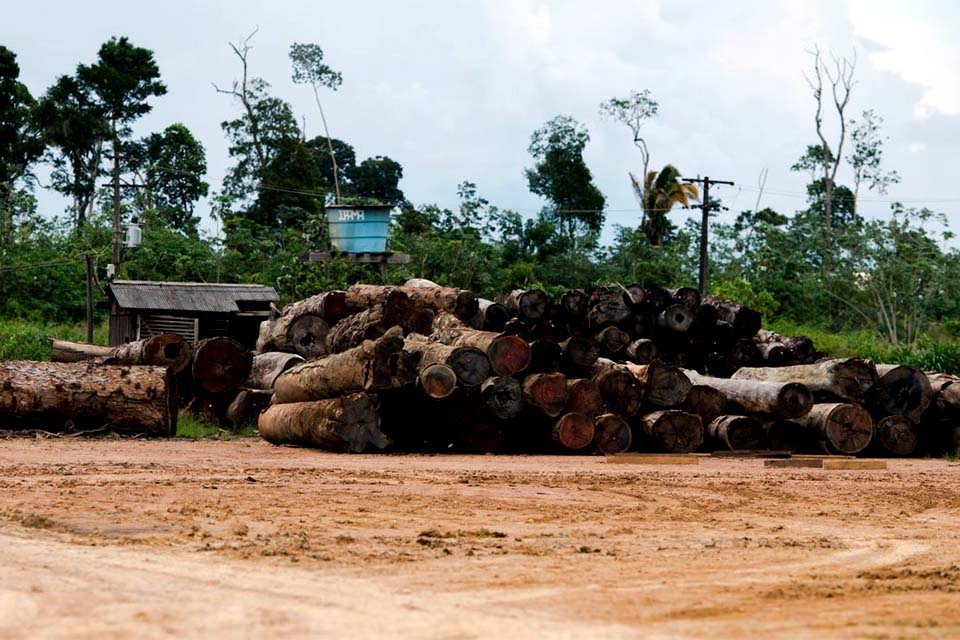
(88, 257)
(704, 226)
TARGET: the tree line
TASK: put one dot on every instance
(823, 264)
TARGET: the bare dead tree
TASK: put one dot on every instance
(840, 78)
(241, 90)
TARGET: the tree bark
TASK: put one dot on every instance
(220, 364)
(573, 431)
(788, 400)
(305, 335)
(164, 350)
(607, 305)
(507, 354)
(946, 392)
(493, 315)
(460, 302)
(267, 367)
(470, 365)
(57, 396)
(394, 310)
(529, 305)
(583, 396)
(613, 434)
(688, 297)
(900, 390)
(347, 423)
(705, 401)
(329, 305)
(673, 431)
(380, 364)
(621, 391)
(502, 396)
(746, 321)
(546, 392)
(737, 433)
(246, 407)
(848, 379)
(642, 351)
(847, 428)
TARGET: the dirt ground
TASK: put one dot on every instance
(140, 539)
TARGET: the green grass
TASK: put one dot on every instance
(192, 427)
(26, 340)
(928, 354)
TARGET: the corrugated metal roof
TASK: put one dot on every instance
(189, 296)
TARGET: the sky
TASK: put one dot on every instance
(453, 89)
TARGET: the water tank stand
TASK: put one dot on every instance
(382, 258)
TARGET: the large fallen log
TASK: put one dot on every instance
(470, 365)
(246, 407)
(267, 367)
(642, 351)
(220, 365)
(80, 396)
(663, 385)
(705, 401)
(502, 396)
(329, 305)
(580, 351)
(787, 400)
(507, 354)
(493, 315)
(607, 305)
(846, 428)
(583, 396)
(612, 340)
(379, 364)
(547, 393)
(786, 435)
(530, 305)
(394, 310)
(436, 379)
(900, 390)
(673, 431)
(848, 379)
(573, 431)
(613, 434)
(460, 302)
(745, 321)
(737, 433)
(897, 435)
(348, 423)
(304, 334)
(164, 350)
(621, 391)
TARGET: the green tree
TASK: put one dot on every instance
(309, 68)
(20, 141)
(661, 192)
(345, 155)
(633, 110)
(867, 155)
(378, 179)
(561, 176)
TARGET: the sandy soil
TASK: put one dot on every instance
(130, 538)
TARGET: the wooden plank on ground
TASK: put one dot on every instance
(751, 453)
(653, 458)
(854, 465)
(794, 463)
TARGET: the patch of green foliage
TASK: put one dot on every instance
(190, 426)
(26, 340)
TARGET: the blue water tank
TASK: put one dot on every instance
(358, 229)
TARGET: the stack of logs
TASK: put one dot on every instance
(421, 367)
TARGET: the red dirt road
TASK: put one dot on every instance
(133, 539)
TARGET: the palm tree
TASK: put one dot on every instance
(661, 191)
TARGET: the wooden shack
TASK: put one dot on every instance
(193, 310)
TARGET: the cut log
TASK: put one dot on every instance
(459, 302)
(349, 423)
(705, 320)
(744, 353)
(621, 391)
(663, 385)
(220, 364)
(394, 310)
(549, 330)
(636, 294)
(688, 297)
(267, 367)
(673, 431)
(657, 299)
(246, 407)
(546, 392)
(420, 321)
(574, 304)
(787, 400)
(305, 335)
(897, 435)
(470, 365)
(642, 323)
(573, 431)
(507, 354)
(786, 435)
(493, 315)
(59, 396)
(329, 305)
(847, 428)
(946, 392)
(164, 350)
(746, 321)
(676, 318)
(580, 351)
(583, 396)
(737, 433)
(502, 396)
(773, 349)
(545, 356)
(848, 379)
(900, 390)
(642, 351)
(705, 401)
(613, 434)
(529, 305)
(608, 305)
(437, 380)
(612, 340)
(380, 364)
